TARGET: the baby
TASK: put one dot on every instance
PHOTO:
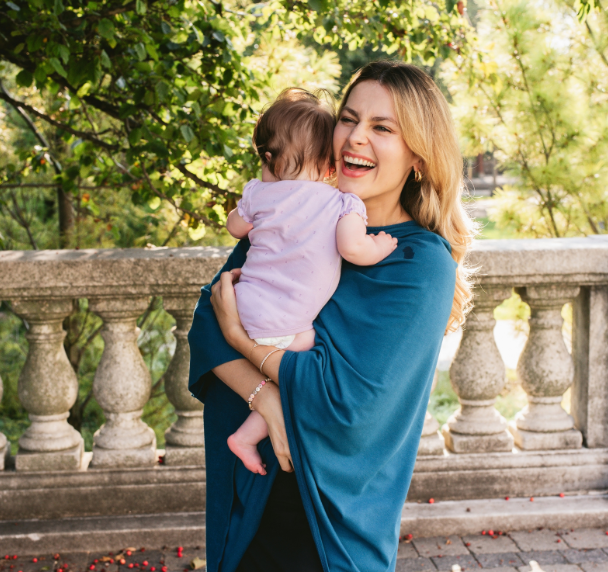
(299, 228)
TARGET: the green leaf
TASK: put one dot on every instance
(141, 7)
(218, 36)
(58, 67)
(24, 78)
(58, 8)
(19, 48)
(152, 51)
(316, 5)
(13, 6)
(187, 133)
(64, 53)
(228, 152)
(140, 50)
(34, 42)
(105, 28)
(40, 74)
(105, 60)
(135, 136)
(162, 90)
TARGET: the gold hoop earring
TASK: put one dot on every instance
(418, 176)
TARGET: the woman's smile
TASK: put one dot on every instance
(354, 165)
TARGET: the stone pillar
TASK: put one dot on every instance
(122, 387)
(48, 388)
(185, 440)
(431, 441)
(590, 354)
(546, 372)
(5, 446)
(478, 375)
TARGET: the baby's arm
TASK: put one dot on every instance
(237, 226)
(358, 247)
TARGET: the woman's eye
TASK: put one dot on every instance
(346, 120)
(382, 128)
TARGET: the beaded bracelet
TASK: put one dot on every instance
(256, 391)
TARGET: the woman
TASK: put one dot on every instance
(347, 415)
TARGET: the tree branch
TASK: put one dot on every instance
(182, 169)
(162, 195)
(82, 134)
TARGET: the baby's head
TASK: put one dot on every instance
(294, 135)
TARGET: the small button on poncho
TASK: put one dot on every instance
(354, 407)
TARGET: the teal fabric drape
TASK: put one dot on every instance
(354, 407)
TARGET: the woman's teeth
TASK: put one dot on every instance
(360, 162)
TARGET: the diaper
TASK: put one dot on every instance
(281, 342)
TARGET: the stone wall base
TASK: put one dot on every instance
(516, 474)
(473, 516)
(175, 489)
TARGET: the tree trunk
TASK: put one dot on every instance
(66, 217)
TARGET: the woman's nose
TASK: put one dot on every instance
(358, 135)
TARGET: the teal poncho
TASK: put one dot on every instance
(354, 407)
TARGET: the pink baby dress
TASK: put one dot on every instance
(293, 265)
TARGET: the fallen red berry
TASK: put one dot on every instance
(558, 540)
(163, 569)
(491, 532)
(7, 556)
(14, 557)
(128, 553)
(34, 559)
(111, 560)
(142, 549)
(531, 499)
(506, 498)
(562, 495)
(123, 561)
(92, 567)
(431, 501)
(131, 565)
(410, 536)
(56, 557)
(145, 562)
(180, 548)
(606, 532)
(467, 544)
(152, 568)
(95, 561)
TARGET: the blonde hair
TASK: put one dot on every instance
(435, 203)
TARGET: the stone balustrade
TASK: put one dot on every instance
(476, 454)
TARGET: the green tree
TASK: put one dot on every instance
(534, 91)
(154, 101)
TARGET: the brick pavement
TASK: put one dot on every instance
(581, 550)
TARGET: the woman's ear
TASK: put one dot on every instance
(268, 156)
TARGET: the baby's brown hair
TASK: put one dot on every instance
(297, 130)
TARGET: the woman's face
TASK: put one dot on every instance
(372, 159)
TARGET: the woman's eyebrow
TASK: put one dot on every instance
(384, 119)
(374, 119)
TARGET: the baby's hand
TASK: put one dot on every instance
(385, 244)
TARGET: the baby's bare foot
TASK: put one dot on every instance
(247, 453)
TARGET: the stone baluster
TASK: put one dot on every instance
(122, 387)
(431, 441)
(185, 439)
(478, 375)
(48, 388)
(546, 372)
(4, 444)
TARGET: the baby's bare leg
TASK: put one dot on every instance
(303, 342)
(244, 442)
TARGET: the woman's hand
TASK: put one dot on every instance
(223, 301)
(268, 404)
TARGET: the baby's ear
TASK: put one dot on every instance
(268, 156)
